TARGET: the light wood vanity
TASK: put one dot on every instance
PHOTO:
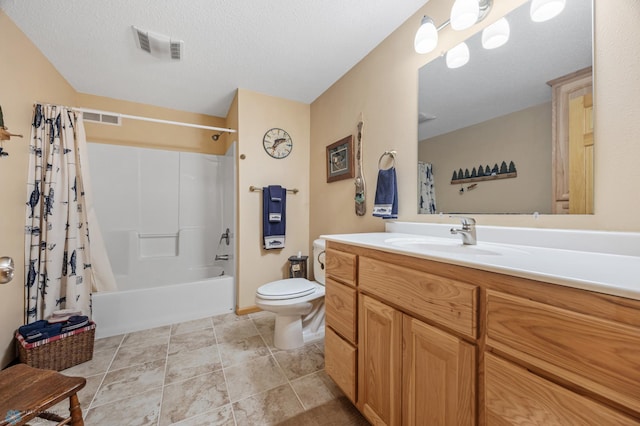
(413, 341)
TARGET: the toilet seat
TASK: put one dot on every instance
(291, 288)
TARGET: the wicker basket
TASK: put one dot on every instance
(59, 352)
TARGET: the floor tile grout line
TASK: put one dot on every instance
(288, 382)
(104, 376)
(164, 376)
(224, 374)
(285, 375)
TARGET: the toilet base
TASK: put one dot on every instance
(288, 332)
(313, 337)
(294, 331)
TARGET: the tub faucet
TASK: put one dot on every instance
(468, 230)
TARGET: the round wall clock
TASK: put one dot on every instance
(277, 143)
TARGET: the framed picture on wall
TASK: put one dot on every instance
(340, 160)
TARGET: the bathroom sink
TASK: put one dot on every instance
(443, 245)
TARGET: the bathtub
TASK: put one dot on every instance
(125, 311)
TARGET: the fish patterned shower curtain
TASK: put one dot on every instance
(58, 272)
(426, 186)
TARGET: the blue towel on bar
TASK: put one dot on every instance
(274, 204)
(386, 202)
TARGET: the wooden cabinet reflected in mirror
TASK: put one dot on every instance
(572, 143)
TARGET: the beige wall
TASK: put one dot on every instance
(153, 135)
(26, 77)
(384, 86)
(258, 113)
(523, 137)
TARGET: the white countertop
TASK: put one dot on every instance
(614, 274)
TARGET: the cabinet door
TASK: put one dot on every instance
(380, 358)
(439, 377)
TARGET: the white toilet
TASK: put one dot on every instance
(298, 304)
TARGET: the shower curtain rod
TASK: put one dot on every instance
(156, 120)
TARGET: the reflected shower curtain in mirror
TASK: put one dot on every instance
(427, 200)
(58, 261)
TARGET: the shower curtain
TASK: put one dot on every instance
(60, 271)
(427, 201)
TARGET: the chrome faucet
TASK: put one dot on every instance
(468, 230)
(225, 237)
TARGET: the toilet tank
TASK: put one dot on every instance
(318, 260)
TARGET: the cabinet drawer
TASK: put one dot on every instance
(448, 302)
(340, 309)
(513, 394)
(340, 363)
(342, 266)
(599, 355)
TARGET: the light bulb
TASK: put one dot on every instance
(458, 56)
(496, 34)
(426, 37)
(543, 10)
(464, 14)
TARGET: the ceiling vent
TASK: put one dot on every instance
(158, 45)
(94, 117)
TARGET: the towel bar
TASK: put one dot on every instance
(258, 189)
(392, 154)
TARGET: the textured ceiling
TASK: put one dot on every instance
(287, 48)
(509, 78)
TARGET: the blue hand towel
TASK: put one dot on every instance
(274, 203)
(386, 201)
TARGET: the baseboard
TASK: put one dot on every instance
(248, 310)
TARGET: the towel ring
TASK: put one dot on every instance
(392, 154)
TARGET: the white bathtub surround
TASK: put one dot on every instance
(119, 312)
(162, 215)
(604, 262)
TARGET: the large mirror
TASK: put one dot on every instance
(514, 104)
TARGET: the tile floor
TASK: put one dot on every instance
(222, 370)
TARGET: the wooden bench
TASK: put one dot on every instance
(27, 393)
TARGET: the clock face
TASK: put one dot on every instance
(277, 143)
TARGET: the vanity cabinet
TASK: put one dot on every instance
(414, 366)
(340, 319)
(432, 343)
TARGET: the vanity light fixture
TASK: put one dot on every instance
(427, 36)
(464, 14)
(458, 56)
(426, 39)
(543, 10)
(496, 34)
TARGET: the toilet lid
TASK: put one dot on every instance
(286, 289)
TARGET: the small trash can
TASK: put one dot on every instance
(298, 266)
